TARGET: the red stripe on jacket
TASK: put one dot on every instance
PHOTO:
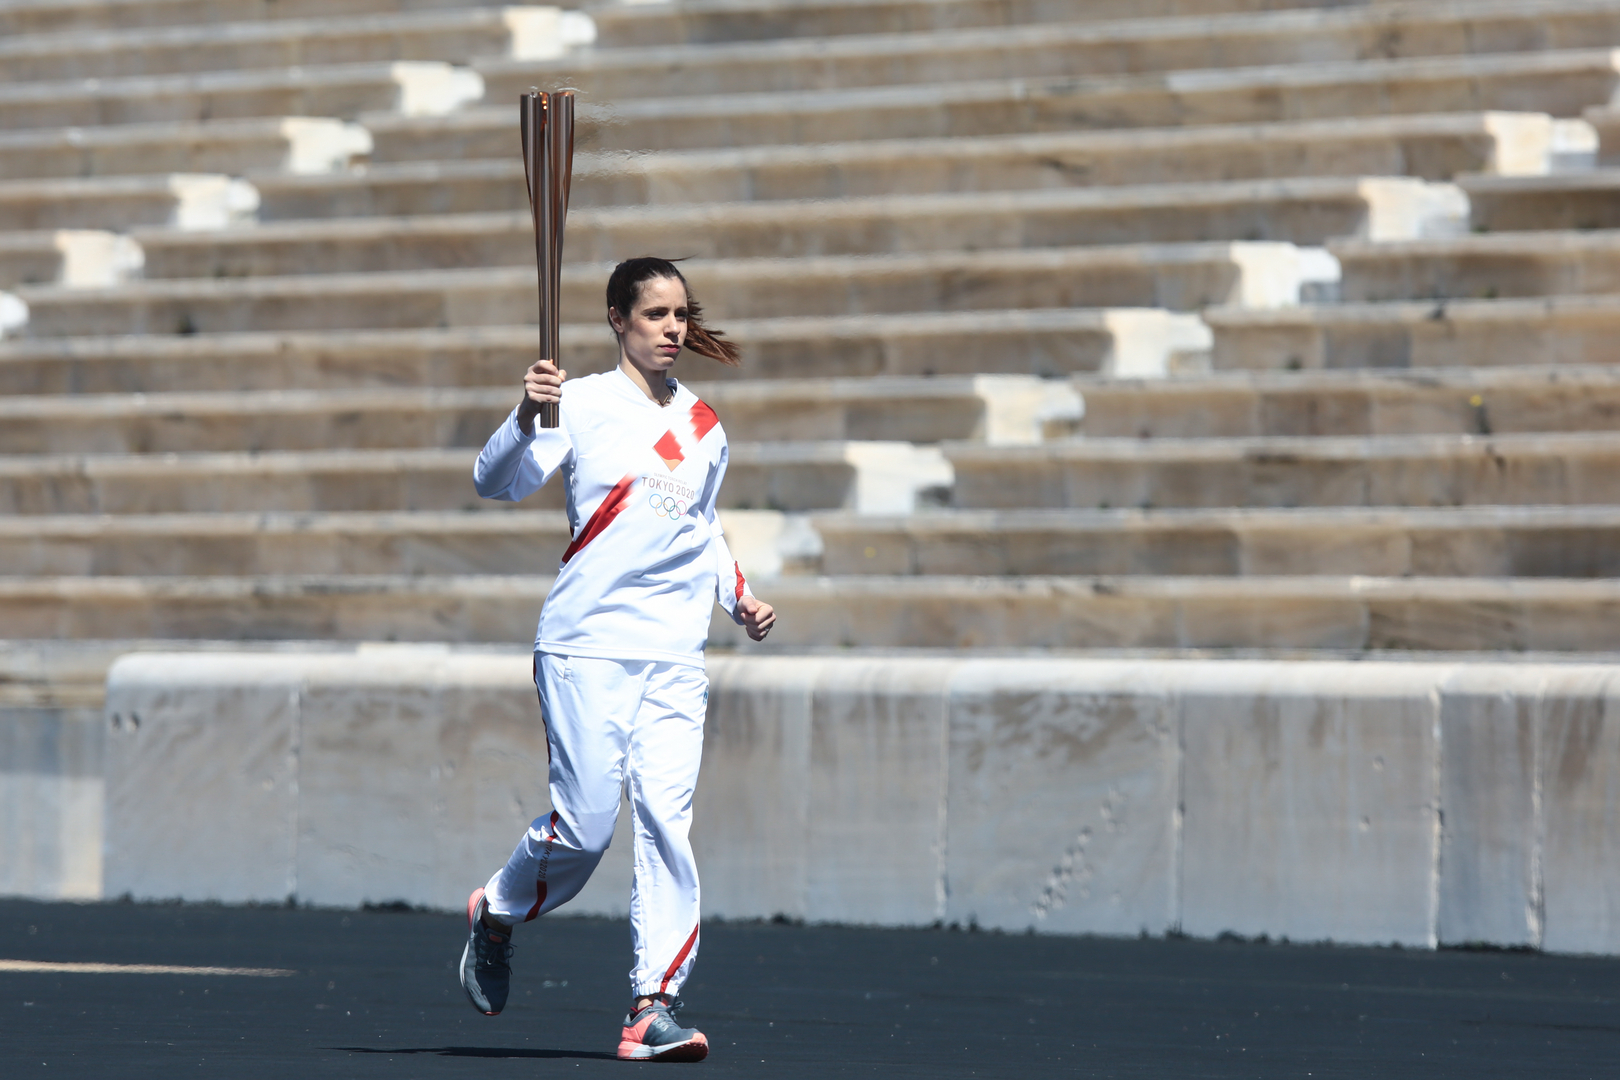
(612, 506)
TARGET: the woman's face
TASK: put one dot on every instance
(652, 334)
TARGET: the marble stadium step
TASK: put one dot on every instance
(297, 145)
(1553, 330)
(1561, 83)
(1271, 613)
(1301, 211)
(1345, 613)
(1000, 409)
(648, 24)
(1482, 267)
(1175, 276)
(46, 16)
(187, 545)
(517, 32)
(1429, 147)
(1389, 470)
(1578, 200)
(185, 201)
(454, 542)
(1070, 49)
(30, 258)
(709, 21)
(410, 87)
(867, 477)
(73, 258)
(1482, 541)
(1048, 342)
(1524, 542)
(1442, 401)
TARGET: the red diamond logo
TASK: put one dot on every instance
(670, 450)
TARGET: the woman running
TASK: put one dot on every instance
(618, 659)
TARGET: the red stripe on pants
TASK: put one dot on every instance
(540, 883)
(680, 958)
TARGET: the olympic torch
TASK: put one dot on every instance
(546, 122)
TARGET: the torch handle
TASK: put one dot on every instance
(536, 121)
(560, 159)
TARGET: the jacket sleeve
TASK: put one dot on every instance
(730, 585)
(512, 466)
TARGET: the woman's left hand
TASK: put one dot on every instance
(757, 616)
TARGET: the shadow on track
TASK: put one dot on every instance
(480, 1052)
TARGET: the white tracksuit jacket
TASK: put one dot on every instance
(648, 558)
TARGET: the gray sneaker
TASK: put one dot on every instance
(651, 1034)
(486, 971)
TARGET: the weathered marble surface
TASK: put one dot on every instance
(1419, 803)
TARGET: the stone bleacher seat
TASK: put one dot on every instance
(1227, 325)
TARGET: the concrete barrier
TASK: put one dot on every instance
(1415, 803)
(51, 790)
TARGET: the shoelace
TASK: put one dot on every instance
(487, 959)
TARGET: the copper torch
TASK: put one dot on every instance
(546, 122)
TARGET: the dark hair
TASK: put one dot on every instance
(624, 289)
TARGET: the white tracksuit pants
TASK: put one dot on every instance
(608, 720)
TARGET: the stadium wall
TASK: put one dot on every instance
(1379, 802)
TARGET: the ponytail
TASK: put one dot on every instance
(624, 289)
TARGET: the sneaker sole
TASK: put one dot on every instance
(690, 1050)
(461, 972)
(462, 978)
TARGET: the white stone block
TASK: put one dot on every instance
(51, 802)
(318, 145)
(889, 476)
(766, 542)
(1273, 274)
(1017, 408)
(874, 844)
(13, 314)
(1487, 886)
(1524, 143)
(1150, 343)
(1403, 208)
(433, 88)
(202, 777)
(1579, 758)
(751, 814)
(96, 259)
(1062, 810)
(1574, 146)
(546, 33)
(1309, 795)
(205, 201)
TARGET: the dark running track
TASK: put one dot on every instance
(375, 995)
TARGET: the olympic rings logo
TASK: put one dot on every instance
(668, 506)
